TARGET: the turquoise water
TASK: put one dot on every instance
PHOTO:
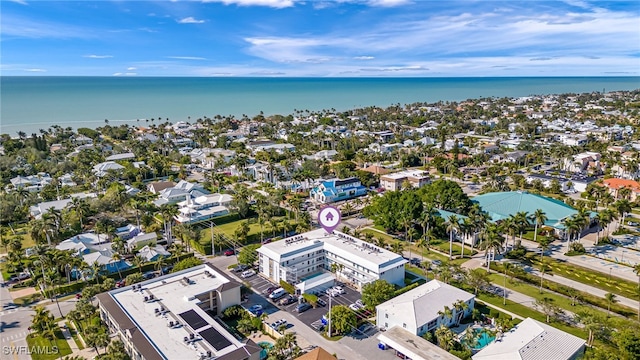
(31, 103)
(266, 346)
(484, 339)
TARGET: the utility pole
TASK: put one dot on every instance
(213, 244)
(330, 296)
(504, 291)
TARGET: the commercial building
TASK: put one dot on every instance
(393, 182)
(417, 310)
(337, 190)
(172, 317)
(501, 205)
(532, 340)
(305, 256)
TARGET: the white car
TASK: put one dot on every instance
(247, 274)
(354, 307)
(338, 289)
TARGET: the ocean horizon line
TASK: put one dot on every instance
(321, 77)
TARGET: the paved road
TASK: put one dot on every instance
(14, 322)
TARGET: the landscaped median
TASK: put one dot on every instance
(45, 349)
(531, 285)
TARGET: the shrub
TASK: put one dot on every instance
(493, 313)
(287, 287)
(576, 248)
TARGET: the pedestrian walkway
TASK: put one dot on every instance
(586, 288)
(67, 335)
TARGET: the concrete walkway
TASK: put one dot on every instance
(67, 335)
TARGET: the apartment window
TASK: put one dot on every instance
(386, 325)
(404, 325)
(386, 316)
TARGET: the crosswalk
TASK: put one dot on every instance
(7, 312)
(14, 336)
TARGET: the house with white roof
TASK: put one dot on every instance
(122, 156)
(533, 340)
(104, 258)
(180, 192)
(31, 183)
(101, 169)
(83, 243)
(306, 256)
(394, 181)
(417, 310)
(203, 207)
(37, 210)
(153, 253)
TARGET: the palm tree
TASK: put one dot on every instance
(453, 226)
(623, 207)
(467, 229)
(446, 313)
(539, 217)
(160, 263)
(445, 337)
(116, 258)
(491, 242)
(522, 223)
(545, 267)
(611, 299)
(422, 243)
(460, 307)
(81, 207)
(138, 261)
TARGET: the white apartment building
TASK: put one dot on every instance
(169, 317)
(203, 207)
(306, 255)
(393, 182)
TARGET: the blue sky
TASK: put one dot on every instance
(320, 38)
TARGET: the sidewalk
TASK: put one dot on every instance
(87, 353)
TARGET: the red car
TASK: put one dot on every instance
(229, 252)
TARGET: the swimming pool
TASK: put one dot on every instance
(266, 346)
(483, 338)
(311, 276)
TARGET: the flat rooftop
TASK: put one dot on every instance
(407, 173)
(175, 300)
(337, 243)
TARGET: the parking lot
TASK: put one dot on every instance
(309, 317)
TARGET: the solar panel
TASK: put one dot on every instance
(193, 319)
(213, 337)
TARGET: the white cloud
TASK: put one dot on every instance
(278, 4)
(21, 2)
(364, 58)
(93, 56)
(19, 26)
(125, 74)
(387, 3)
(187, 57)
(35, 70)
(190, 20)
(131, 68)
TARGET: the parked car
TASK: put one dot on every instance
(302, 307)
(121, 283)
(415, 261)
(632, 223)
(277, 294)
(271, 289)
(288, 300)
(241, 267)
(322, 302)
(338, 289)
(247, 273)
(149, 275)
(359, 303)
(229, 252)
(279, 323)
(255, 308)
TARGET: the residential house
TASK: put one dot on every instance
(127, 232)
(153, 253)
(141, 239)
(583, 162)
(420, 310)
(614, 185)
(103, 168)
(532, 339)
(83, 243)
(394, 181)
(158, 186)
(337, 190)
(31, 183)
(122, 156)
(104, 258)
(38, 210)
(180, 192)
(203, 207)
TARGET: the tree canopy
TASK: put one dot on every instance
(343, 320)
(377, 292)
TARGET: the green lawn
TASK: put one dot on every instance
(44, 349)
(534, 292)
(26, 300)
(74, 335)
(378, 234)
(254, 229)
(593, 278)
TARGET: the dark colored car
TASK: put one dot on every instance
(302, 307)
(322, 302)
(241, 267)
(229, 252)
(288, 300)
(270, 289)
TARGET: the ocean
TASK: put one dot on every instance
(38, 102)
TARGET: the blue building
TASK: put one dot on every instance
(337, 190)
